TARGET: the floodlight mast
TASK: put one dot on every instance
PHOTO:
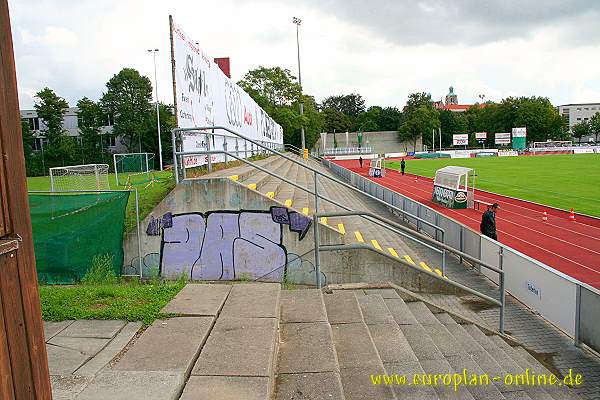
(297, 22)
(157, 112)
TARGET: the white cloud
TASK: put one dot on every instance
(75, 47)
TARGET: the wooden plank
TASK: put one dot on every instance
(18, 278)
(6, 383)
(14, 324)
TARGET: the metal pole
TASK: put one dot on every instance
(209, 161)
(577, 340)
(433, 139)
(139, 237)
(116, 173)
(502, 303)
(157, 111)
(440, 135)
(175, 160)
(297, 21)
(225, 148)
(316, 232)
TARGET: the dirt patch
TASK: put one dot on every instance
(476, 304)
(547, 360)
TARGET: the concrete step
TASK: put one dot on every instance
(374, 310)
(198, 300)
(317, 386)
(302, 306)
(254, 300)
(342, 308)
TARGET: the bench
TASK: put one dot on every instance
(477, 204)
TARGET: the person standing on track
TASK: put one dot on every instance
(488, 222)
(402, 166)
(360, 161)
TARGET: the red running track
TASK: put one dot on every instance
(570, 247)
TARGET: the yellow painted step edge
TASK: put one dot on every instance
(393, 252)
(234, 177)
(376, 245)
(270, 195)
(342, 229)
(305, 211)
(252, 186)
(425, 266)
(409, 260)
(288, 203)
(324, 220)
(359, 236)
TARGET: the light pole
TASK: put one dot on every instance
(297, 22)
(157, 112)
(482, 96)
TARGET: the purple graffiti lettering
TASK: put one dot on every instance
(299, 223)
(280, 215)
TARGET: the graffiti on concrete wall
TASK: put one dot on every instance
(226, 245)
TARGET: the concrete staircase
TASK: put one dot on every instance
(353, 230)
(257, 341)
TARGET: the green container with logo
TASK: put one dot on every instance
(449, 198)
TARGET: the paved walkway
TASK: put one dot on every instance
(77, 350)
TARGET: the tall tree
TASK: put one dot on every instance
(389, 119)
(271, 86)
(581, 129)
(368, 121)
(350, 104)
(51, 109)
(595, 126)
(89, 118)
(149, 138)
(336, 121)
(128, 95)
(278, 93)
(422, 119)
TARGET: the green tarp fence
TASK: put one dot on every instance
(70, 229)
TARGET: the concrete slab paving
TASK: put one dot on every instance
(257, 300)
(400, 312)
(167, 345)
(302, 306)
(409, 369)
(391, 344)
(354, 347)
(53, 328)
(357, 384)
(342, 308)
(93, 329)
(106, 355)
(133, 385)
(239, 347)
(306, 347)
(385, 293)
(226, 388)
(198, 300)
(62, 361)
(87, 346)
(68, 387)
(374, 310)
(317, 386)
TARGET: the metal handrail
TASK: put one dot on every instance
(298, 151)
(315, 171)
(444, 246)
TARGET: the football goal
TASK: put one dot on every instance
(79, 177)
(133, 168)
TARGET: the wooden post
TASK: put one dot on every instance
(23, 361)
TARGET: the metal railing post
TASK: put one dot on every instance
(317, 254)
(208, 160)
(577, 338)
(502, 303)
(225, 149)
(139, 237)
(461, 243)
(444, 262)
(316, 176)
(237, 147)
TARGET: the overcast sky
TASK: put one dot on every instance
(382, 49)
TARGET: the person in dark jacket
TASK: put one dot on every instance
(402, 166)
(488, 222)
(360, 161)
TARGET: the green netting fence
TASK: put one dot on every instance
(69, 229)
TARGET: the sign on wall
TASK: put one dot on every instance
(480, 136)
(502, 138)
(460, 139)
(205, 96)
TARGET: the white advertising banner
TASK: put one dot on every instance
(502, 138)
(480, 135)
(460, 139)
(519, 132)
(205, 96)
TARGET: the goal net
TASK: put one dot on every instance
(133, 167)
(79, 177)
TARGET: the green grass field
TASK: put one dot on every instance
(148, 198)
(562, 181)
